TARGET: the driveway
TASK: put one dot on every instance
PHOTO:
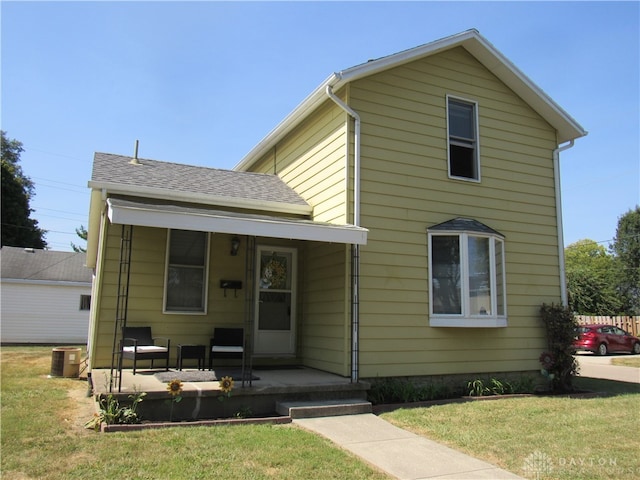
(594, 366)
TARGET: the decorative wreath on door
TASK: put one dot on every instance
(274, 273)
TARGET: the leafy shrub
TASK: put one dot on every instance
(111, 412)
(477, 388)
(558, 363)
(395, 390)
(400, 390)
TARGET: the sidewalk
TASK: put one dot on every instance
(594, 366)
(398, 452)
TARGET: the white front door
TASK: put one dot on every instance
(275, 308)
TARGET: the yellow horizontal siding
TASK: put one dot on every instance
(405, 190)
(324, 332)
(146, 289)
(312, 160)
(322, 168)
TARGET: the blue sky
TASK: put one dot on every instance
(203, 82)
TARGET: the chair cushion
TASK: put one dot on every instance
(145, 349)
(227, 349)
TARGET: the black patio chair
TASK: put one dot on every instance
(139, 344)
(227, 343)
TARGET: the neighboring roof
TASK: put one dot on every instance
(18, 263)
(187, 183)
(463, 225)
(471, 40)
(162, 215)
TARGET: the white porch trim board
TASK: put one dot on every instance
(128, 212)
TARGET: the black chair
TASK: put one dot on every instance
(227, 343)
(139, 344)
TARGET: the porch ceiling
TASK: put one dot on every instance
(152, 214)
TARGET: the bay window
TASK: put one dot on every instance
(466, 275)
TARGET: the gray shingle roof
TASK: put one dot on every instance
(205, 181)
(464, 225)
(34, 264)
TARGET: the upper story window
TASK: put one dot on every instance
(466, 275)
(462, 128)
(186, 272)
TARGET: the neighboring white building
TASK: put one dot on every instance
(45, 296)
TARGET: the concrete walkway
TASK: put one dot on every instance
(594, 366)
(398, 452)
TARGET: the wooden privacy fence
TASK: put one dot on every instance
(628, 323)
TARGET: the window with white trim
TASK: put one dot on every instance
(462, 131)
(186, 272)
(466, 276)
(85, 302)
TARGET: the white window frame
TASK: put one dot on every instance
(475, 142)
(205, 282)
(85, 302)
(466, 318)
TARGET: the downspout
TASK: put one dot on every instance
(356, 154)
(355, 249)
(556, 174)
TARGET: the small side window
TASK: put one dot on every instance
(85, 302)
(462, 128)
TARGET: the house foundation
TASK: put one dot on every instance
(204, 400)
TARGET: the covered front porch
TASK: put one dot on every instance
(182, 251)
(281, 311)
(263, 396)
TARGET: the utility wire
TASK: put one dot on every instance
(624, 237)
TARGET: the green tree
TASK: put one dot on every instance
(626, 248)
(82, 233)
(18, 229)
(591, 284)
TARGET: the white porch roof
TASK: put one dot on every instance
(161, 215)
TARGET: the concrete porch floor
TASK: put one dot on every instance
(204, 400)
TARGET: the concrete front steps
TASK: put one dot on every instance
(323, 408)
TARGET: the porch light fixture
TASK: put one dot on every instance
(235, 245)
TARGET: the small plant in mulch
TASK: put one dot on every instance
(399, 390)
(244, 412)
(226, 385)
(174, 387)
(111, 412)
(477, 388)
(495, 386)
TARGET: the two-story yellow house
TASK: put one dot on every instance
(403, 220)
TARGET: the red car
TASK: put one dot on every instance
(603, 339)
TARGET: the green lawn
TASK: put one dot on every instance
(555, 438)
(625, 361)
(43, 437)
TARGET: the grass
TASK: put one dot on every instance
(577, 439)
(43, 437)
(626, 361)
